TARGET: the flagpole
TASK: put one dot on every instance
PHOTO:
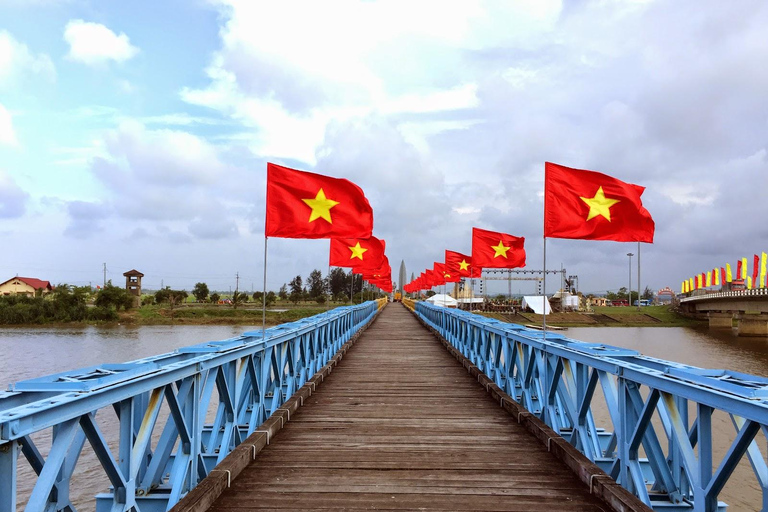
(638, 275)
(264, 293)
(544, 292)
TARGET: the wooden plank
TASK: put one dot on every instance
(399, 425)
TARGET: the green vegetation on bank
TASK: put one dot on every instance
(647, 316)
(72, 304)
(65, 304)
(220, 314)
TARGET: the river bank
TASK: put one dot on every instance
(647, 316)
(204, 314)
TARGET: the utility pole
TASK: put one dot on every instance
(105, 275)
(237, 281)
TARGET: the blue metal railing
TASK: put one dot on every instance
(237, 382)
(556, 378)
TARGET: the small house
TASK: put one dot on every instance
(29, 286)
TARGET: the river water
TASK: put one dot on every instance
(33, 352)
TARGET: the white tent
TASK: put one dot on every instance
(538, 303)
(443, 300)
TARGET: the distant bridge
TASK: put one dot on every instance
(748, 307)
(398, 423)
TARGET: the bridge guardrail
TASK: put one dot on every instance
(757, 292)
(556, 378)
(240, 382)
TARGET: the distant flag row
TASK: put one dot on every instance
(578, 204)
(307, 205)
(490, 249)
(721, 276)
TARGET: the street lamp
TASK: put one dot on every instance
(630, 280)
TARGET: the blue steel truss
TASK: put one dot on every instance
(238, 382)
(669, 465)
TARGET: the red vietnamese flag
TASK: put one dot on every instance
(372, 273)
(455, 262)
(429, 279)
(357, 252)
(306, 205)
(449, 276)
(491, 249)
(589, 205)
(438, 271)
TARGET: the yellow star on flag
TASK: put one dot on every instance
(463, 265)
(500, 249)
(599, 205)
(321, 207)
(357, 251)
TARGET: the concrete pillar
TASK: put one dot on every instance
(753, 325)
(720, 320)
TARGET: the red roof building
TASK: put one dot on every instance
(25, 285)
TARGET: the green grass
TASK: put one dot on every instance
(221, 314)
(624, 316)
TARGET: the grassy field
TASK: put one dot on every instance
(648, 316)
(220, 314)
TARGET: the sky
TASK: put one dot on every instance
(136, 134)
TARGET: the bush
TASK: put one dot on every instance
(65, 304)
(102, 314)
(113, 296)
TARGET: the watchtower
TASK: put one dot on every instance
(133, 284)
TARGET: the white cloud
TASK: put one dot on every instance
(93, 43)
(165, 177)
(17, 62)
(352, 60)
(687, 194)
(13, 199)
(7, 134)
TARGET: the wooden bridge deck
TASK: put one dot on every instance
(401, 425)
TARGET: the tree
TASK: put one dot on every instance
(113, 296)
(283, 293)
(648, 293)
(258, 297)
(239, 298)
(200, 291)
(172, 297)
(316, 285)
(215, 297)
(296, 289)
(338, 282)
